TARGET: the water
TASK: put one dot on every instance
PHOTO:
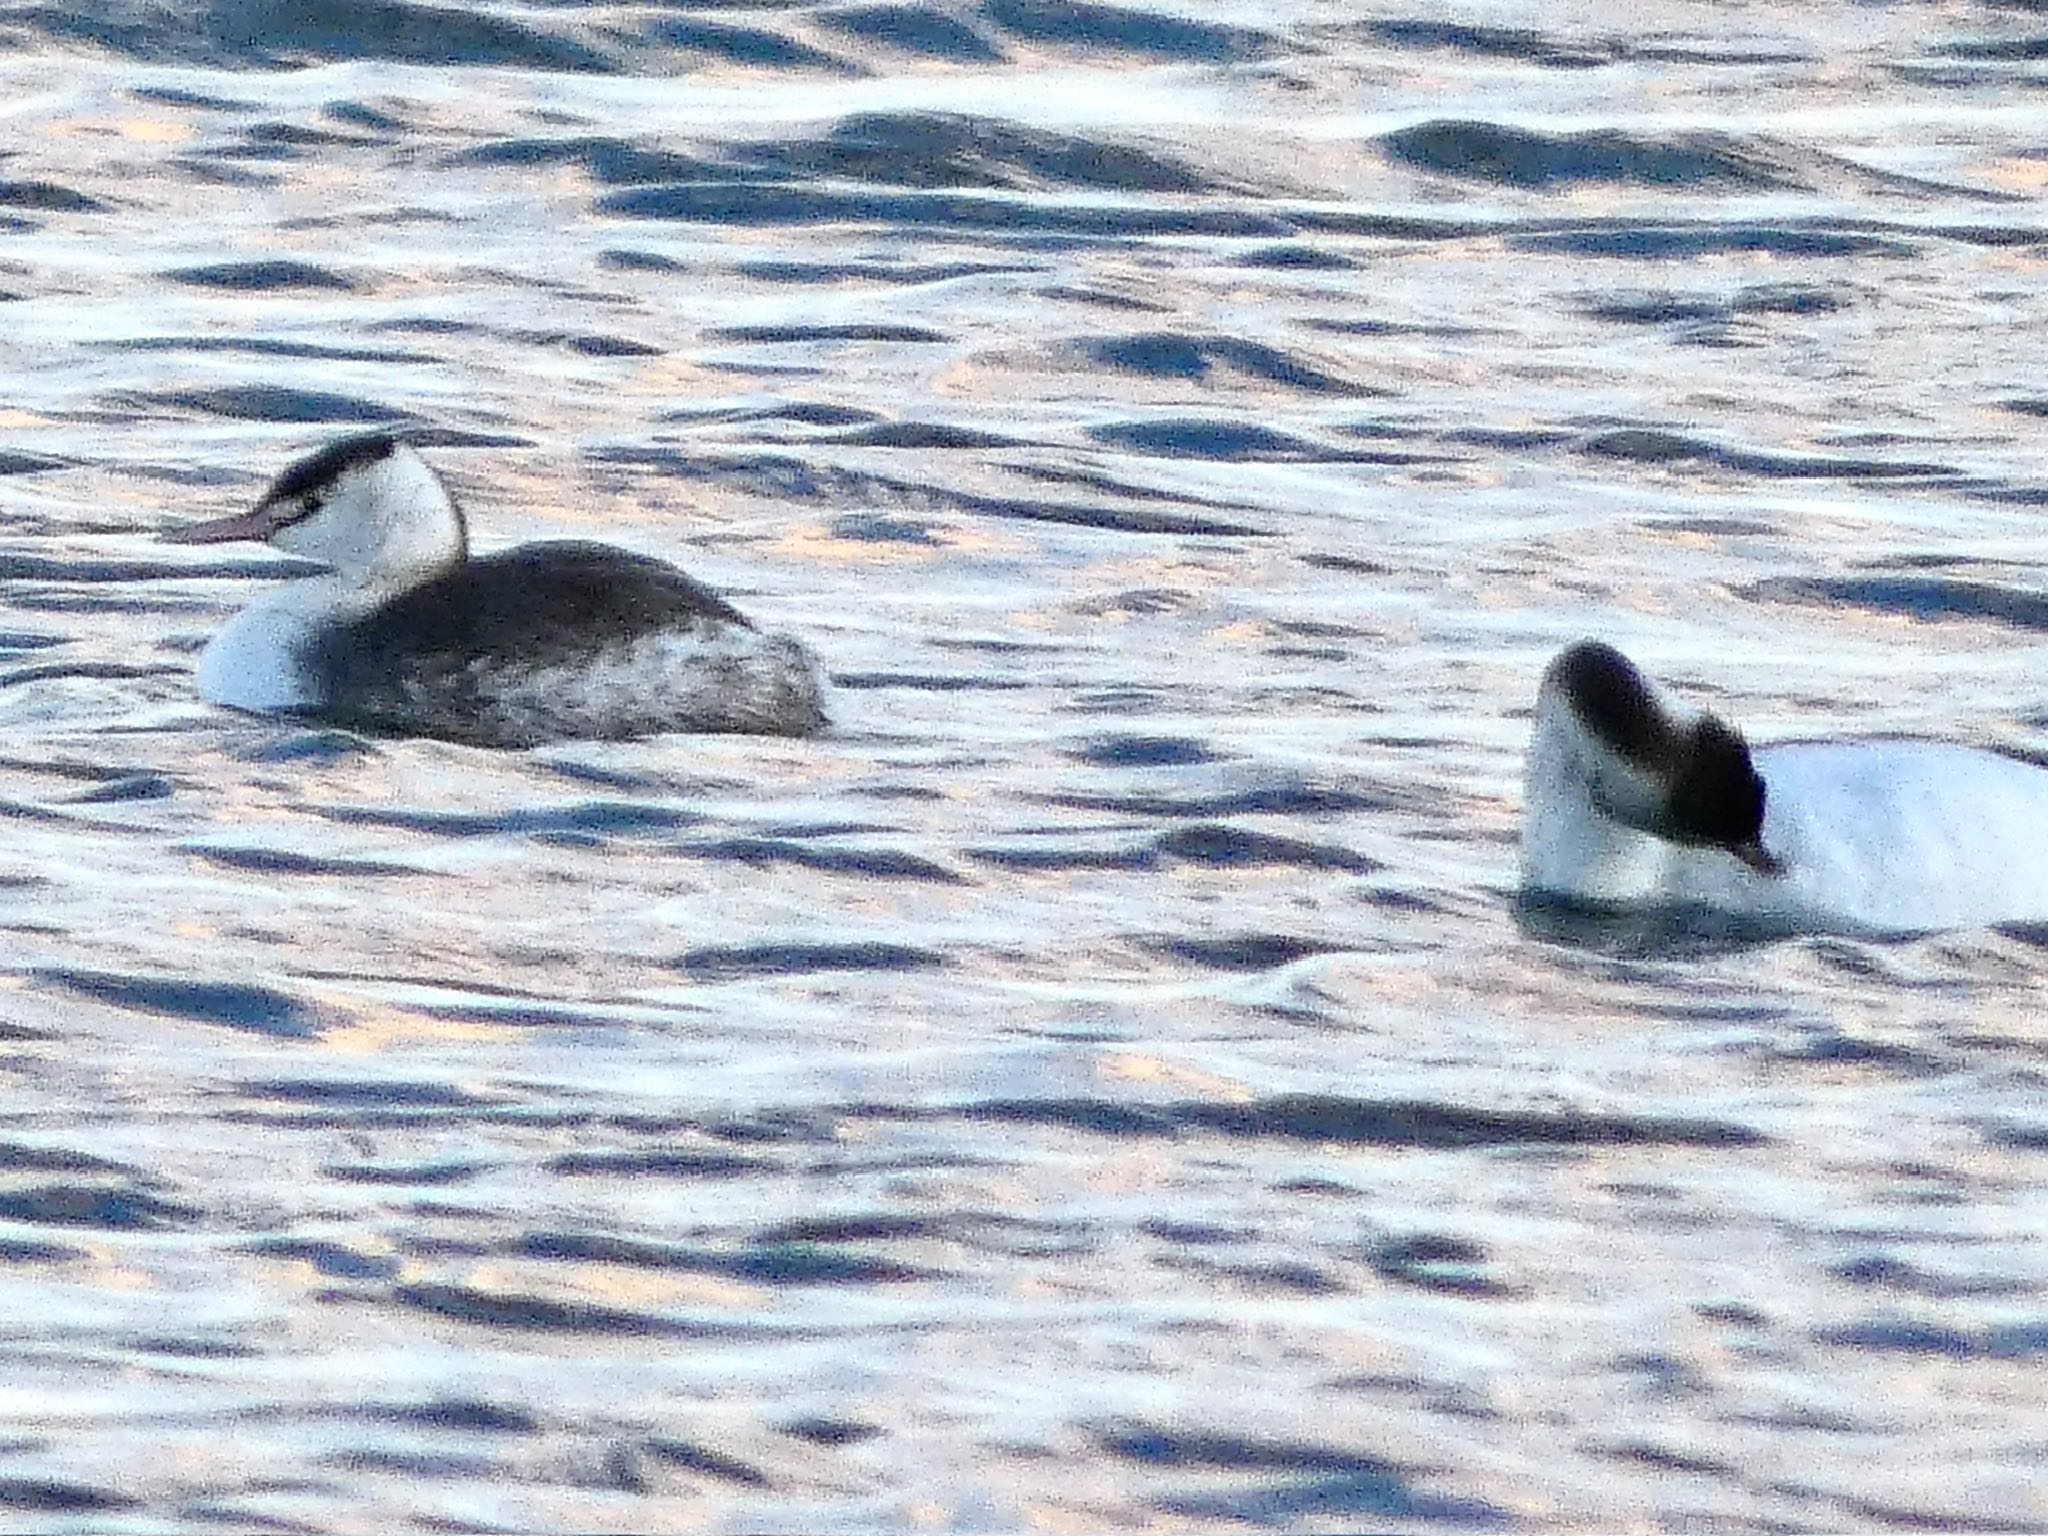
(1105, 1082)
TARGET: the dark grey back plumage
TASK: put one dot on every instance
(443, 651)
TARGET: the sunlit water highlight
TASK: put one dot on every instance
(1105, 1082)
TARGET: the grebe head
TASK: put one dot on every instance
(1685, 779)
(369, 508)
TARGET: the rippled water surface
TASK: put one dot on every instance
(1103, 1083)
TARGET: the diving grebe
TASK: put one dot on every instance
(405, 634)
(1633, 800)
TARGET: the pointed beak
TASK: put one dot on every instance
(1753, 854)
(259, 523)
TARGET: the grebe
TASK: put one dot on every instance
(1633, 800)
(406, 634)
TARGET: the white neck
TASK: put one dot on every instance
(384, 529)
(1572, 845)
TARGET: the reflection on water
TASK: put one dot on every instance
(1107, 1080)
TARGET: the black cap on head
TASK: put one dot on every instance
(1717, 797)
(318, 469)
(1613, 701)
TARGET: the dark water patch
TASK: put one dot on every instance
(207, 171)
(2019, 1138)
(1882, 1271)
(747, 46)
(776, 204)
(1278, 799)
(19, 1157)
(17, 1250)
(1522, 157)
(1175, 355)
(1663, 1459)
(47, 197)
(926, 682)
(588, 344)
(784, 478)
(820, 273)
(261, 277)
(733, 962)
(272, 402)
(2033, 406)
(602, 818)
(427, 325)
(280, 861)
(883, 530)
(12, 463)
(2003, 49)
(1066, 858)
(1126, 29)
(45, 1497)
(430, 1466)
(300, 136)
(1430, 1261)
(1901, 1336)
(829, 1432)
(1214, 438)
(273, 34)
(263, 346)
(1302, 1479)
(174, 96)
(912, 29)
(932, 150)
(128, 787)
(1102, 298)
(923, 436)
(705, 1461)
(230, 1004)
(337, 1261)
(1654, 309)
(1836, 1048)
(459, 437)
(187, 1348)
(1225, 847)
(310, 746)
(1679, 242)
(1244, 952)
(1367, 1122)
(463, 1415)
(1967, 1518)
(362, 1094)
(59, 671)
(1644, 445)
(786, 1264)
(1284, 1279)
(800, 333)
(1142, 752)
(660, 1163)
(431, 1175)
(1296, 258)
(1789, 299)
(806, 413)
(868, 863)
(96, 1206)
(612, 161)
(536, 1314)
(1928, 599)
(1522, 43)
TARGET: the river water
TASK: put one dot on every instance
(1103, 1083)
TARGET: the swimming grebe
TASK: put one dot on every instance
(405, 634)
(1633, 800)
